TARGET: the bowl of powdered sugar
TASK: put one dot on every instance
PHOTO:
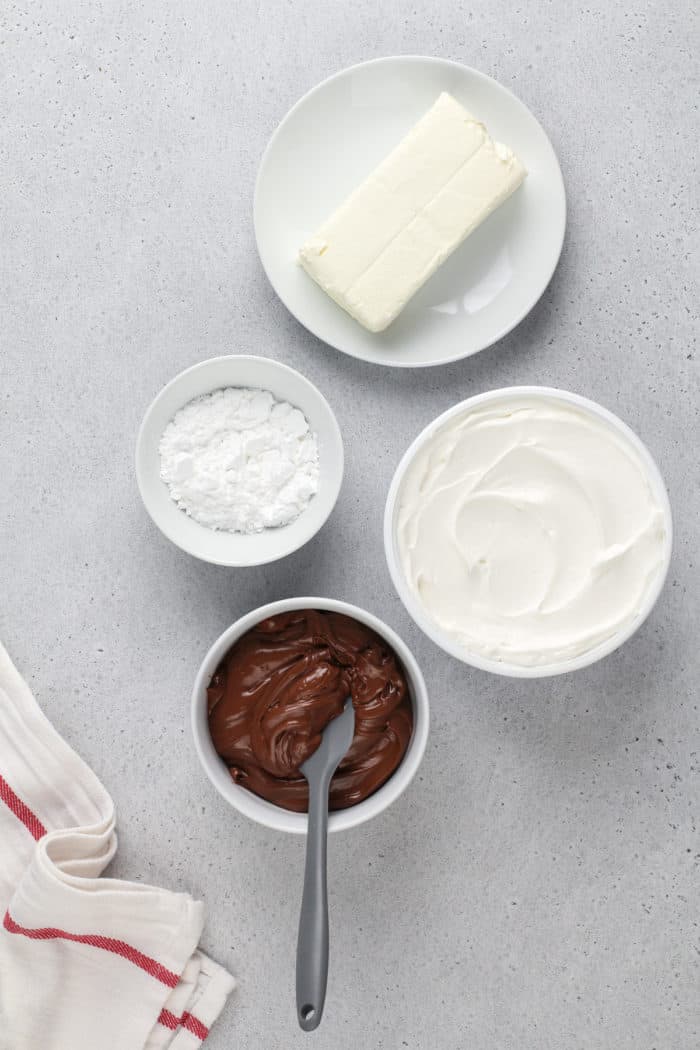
(239, 460)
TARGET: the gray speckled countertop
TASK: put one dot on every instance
(537, 886)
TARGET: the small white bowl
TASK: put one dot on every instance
(233, 548)
(413, 604)
(267, 813)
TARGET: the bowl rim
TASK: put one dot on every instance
(267, 813)
(335, 482)
(415, 609)
(436, 60)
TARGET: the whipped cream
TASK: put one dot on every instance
(529, 530)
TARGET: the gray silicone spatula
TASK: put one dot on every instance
(312, 945)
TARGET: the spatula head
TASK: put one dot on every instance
(335, 744)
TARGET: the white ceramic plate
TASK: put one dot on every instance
(335, 136)
(232, 548)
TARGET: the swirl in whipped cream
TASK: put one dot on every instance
(529, 530)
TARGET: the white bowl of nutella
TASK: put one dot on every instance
(284, 733)
(528, 531)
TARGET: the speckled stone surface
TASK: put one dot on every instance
(537, 887)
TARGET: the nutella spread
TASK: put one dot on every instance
(280, 685)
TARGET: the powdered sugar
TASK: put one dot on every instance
(239, 460)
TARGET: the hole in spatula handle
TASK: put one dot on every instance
(308, 1017)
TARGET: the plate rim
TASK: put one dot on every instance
(505, 329)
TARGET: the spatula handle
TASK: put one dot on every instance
(312, 945)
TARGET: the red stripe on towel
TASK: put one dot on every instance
(168, 1020)
(193, 1025)
(188, 1021)
(21, 811)
(95, 940)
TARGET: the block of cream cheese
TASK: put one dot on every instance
(393, 232)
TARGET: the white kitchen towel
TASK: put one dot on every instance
(85, 963)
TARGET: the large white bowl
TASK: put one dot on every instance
(335, 136)
(267, 813)
(415, 607)
(232, 548)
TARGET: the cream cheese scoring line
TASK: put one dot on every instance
(529, 530)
